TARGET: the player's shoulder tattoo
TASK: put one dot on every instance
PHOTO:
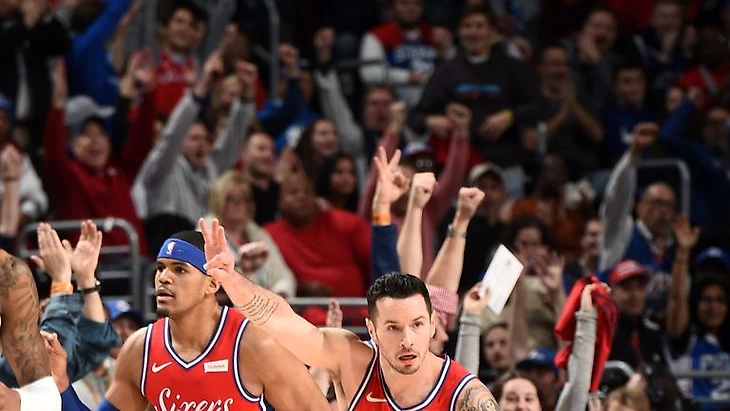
(11, 268)
(477, 397)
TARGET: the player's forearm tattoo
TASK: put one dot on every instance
(477, 398)
(21, 341)
(260, 309)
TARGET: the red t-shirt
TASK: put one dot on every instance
(171, 81)
(334, 251)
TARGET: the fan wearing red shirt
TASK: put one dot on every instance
(93, 182)
(182, 29)
(329, 248)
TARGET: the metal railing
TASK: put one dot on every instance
(684, 176)
(133, 274)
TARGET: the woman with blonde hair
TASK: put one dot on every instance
(231, 202)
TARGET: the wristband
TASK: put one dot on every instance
(511, 116)
(451, 232)
(381, 219)
(61, 288)
(95, 288)
(40, 395)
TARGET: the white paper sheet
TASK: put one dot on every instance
(500, 277)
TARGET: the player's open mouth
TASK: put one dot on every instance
(407, 357)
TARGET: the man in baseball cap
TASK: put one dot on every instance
(713, 260)
(124, 319)
(638, 340)
(540, 365)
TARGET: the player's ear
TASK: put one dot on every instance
(371, 329)
(434, 318)
(213, 286)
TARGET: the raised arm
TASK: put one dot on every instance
(334, 104)
(228, 145)
(11, 163)
(410, 247)
(467, 344)
(457, 162)
(139, 78)
(618, 200)
(325, 349)
(286, 383)
(391, 185)
(169, 146)
(580, 364)
(677, 306)
(446, 269)
(21, 341)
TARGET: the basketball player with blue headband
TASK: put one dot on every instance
(199, 355)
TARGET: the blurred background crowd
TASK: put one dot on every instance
(597, 132)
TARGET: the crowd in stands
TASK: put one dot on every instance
(561, 129)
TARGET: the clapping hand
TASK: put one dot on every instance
(53, 257)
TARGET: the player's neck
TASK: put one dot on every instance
(194, 329)
(406, 389)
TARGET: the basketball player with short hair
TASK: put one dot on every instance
(393, 371)
(201, 356)
(21, 340)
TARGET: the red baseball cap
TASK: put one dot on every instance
(625, 270)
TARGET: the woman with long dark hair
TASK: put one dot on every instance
(337, 182)
(704, 345)
(319, 142)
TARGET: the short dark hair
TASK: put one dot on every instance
(478, 9)
(191, 236)
(552, 46)
(397, 285)
(523, 222)
(600, 9)
(627, 66)
(199, 14)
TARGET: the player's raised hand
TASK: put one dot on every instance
(220, 261)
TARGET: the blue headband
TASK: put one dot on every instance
(177, 249)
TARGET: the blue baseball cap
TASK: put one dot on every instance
(716, 254)
(120, 308)
(539, 357)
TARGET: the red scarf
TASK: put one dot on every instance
(605, 327)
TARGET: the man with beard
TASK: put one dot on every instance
(393, 370)
(259, 165)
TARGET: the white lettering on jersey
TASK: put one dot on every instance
(176, 405)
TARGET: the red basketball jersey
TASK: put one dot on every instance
(373, 394)
(210, 382)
